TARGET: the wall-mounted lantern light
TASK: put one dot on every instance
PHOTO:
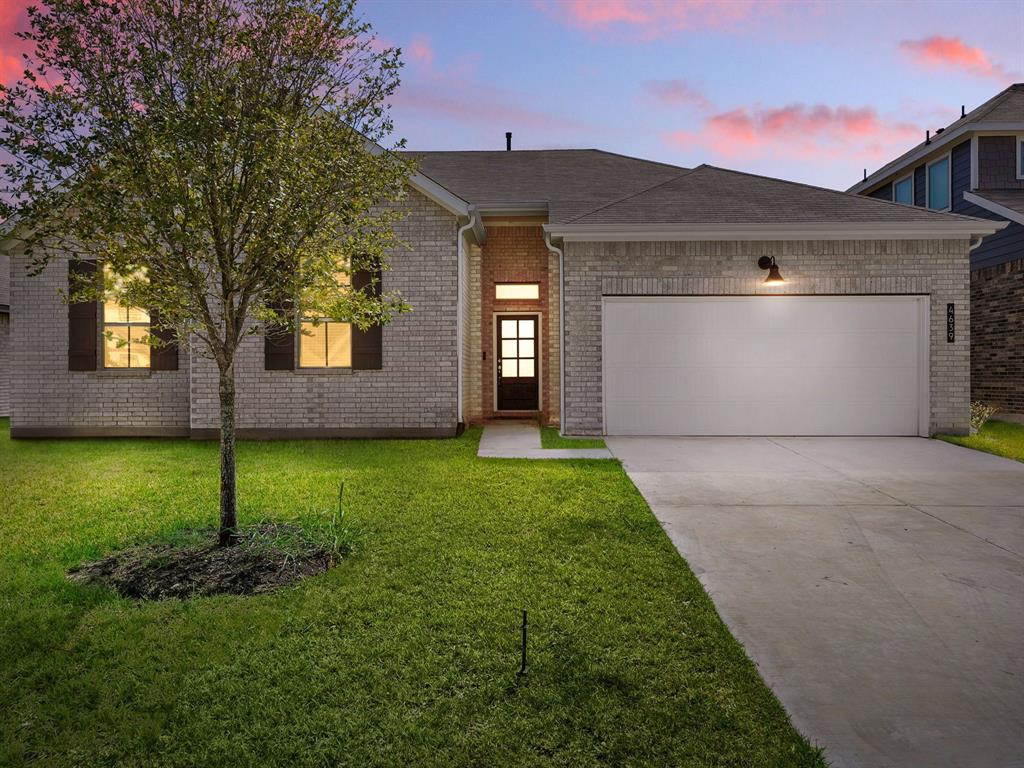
(774, 276)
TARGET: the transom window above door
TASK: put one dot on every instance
(517, 291)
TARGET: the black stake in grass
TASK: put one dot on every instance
(522, 663)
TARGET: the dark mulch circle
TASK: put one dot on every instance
(265, 558)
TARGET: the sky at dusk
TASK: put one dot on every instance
(811, 91)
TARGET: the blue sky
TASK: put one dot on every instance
(809, 91)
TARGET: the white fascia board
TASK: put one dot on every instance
(431, 189)
(996, 208)
(838, 231)
(944, 138)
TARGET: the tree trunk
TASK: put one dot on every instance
(228, 507)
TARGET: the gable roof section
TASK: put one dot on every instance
(565, 182)
(1008, 203)
(710, 202)
(1004, 111)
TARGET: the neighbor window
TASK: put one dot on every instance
(938, 184)
(324, 343)
(903, 191)
(520, 291)
(124, 331)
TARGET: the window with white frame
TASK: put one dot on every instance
(937, 184)
(125, 329)
(903, 190)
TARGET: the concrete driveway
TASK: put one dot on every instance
(878, 583)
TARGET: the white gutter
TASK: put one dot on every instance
(966, 228)
(561, 331)
(460, 303)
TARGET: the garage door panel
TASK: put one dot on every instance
(828, 365)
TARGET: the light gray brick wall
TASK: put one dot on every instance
(46, 395)
(5, 364)
(939, 268)
(415, 390)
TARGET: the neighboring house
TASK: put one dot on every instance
(975, 166)
(603, 293)
(5, 333)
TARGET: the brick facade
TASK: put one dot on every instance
(935, 267)
(997, 342)
(415, 391)
(516, 253)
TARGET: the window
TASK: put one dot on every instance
(903, 190)
(324, 343)
(937, 184)
(1020, 157)
(124, 331)
(517, 291)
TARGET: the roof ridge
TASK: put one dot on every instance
(849, 195)
(634, 194)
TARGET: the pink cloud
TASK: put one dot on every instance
(646, 19)
(13, 19)
(797, 130)
(675, 92)
(937, 52)
(419, 50)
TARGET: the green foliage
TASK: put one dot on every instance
(549, 438)
(219, 155)
(404, 654)
(981, 413)
(1002, 438)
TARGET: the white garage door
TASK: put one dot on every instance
(765, 365)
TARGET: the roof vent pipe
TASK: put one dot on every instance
(963, 110)
(508, 141)
(927, 137)
(865, 174)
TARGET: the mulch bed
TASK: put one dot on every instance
(265, 558)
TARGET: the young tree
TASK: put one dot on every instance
(219, 156)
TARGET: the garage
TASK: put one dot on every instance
(765, 365)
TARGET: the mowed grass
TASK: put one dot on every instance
(405, 654)
(549, 438)
(1002, 438)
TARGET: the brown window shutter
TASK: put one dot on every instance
(165, 356)
(367, 346)
(278, 347)
(82, 329)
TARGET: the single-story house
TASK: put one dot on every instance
(603, 293)
(975, 166)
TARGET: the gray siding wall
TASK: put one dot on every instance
(47, 398)
(920, 191)
(997, 161)
(935, 267)
(883, 193)
(414, 393)
(960, 163)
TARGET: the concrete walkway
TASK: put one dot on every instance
(520, 439)
(878, 584)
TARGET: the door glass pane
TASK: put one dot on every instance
(526, 348)
(526, 368)
(339, 345)
(526, 329)
(508, 348)
(138, 353)
(508, 329)
(115, 356)
(509, 369)
(313, 346)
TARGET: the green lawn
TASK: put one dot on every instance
(404, 655)
(549, 438)
(1002, 438)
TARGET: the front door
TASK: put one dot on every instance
(518, 388)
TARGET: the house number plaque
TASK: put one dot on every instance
(950, 324)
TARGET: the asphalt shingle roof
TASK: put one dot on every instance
(569, 181)
(710, 195)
